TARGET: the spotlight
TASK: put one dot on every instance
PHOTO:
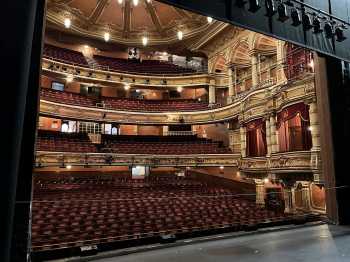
(306, 22)
(67, 23)
(240, 3)
(107, 36)
(317, 25)
(209, 19)
(270, 8)
(294, 14)
(180, 35)
(339, 33)
(282, 12)
(144, 40)
(254, 6)
(328, 30)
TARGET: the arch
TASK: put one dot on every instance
(219, 65)
(263, 43)
(239, 53)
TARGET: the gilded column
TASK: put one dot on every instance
(212, 92)
(268, 136)
(281, 57)
(260, 192)
(231, 88)
(273, 134)
(243, 132)
(255, 76)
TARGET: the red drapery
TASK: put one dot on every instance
(293, 128)
(256, 138)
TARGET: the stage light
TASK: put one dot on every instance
(294, 14)
(135, 2)
(282, 12)
(240, 3)
(317, 25)
(144, 40)
(180, 35)
(339, 33)
(328, 30)
(254, 6)
(67, 23)
(107, 36)
(209, 19)
(306, 22)
(270, 8)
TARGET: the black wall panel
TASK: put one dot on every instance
(228, 11)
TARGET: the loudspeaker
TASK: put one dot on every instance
(170, 238)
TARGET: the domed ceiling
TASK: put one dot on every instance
(127, 21)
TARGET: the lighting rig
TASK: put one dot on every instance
(300, 14)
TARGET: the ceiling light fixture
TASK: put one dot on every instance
(107, 36)
(180, 35)
(144, 40)
(209, 19)
(67, 22)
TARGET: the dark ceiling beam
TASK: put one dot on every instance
(98, 10)
(126, 19)
(155, 19)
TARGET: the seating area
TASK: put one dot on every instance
(157, 105)
(126, 104)
(125, 144)
(64, 142)
(162, 145)
(67, 97)
(64, 55)
(70, 212)
(153, 67)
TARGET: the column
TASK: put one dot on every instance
(281, 76)
(211, 94)
(314, 126)
(288, 200)
(243, 132)
(231, 88)
(273, 134)
(255, 76)
(268, 136)
(306, 195)
(165, 130)
(260, 192)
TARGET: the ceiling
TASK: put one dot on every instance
(125, 22)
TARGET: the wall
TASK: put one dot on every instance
(128, 130)
(193, 93)
(216, 132)
(52, 124)
(318, 197)
(46, 82)
(150, 130)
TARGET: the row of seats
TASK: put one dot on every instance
(161, 145)
(78, 215)
(128, 104)
(64, 55)
(153, 67)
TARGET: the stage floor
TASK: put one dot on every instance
(322, 243)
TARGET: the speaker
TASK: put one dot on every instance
(169, 238)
